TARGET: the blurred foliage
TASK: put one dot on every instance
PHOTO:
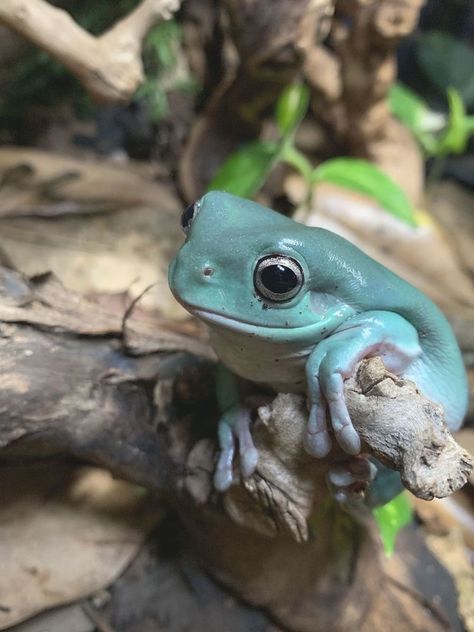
(439, 134)
(364, 177)
(95, 16)
(160, 59)
(245, 171)
(448, 63)
(291, 108)
(39, 80)
(392, 517)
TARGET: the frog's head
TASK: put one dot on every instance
(245, 268)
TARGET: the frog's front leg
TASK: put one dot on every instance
(233, 428)
(334, 359)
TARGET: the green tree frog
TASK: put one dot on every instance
(295, 308)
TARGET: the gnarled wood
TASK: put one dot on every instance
(109, 66)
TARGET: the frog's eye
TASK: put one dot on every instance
(278, 278)
(188, 216)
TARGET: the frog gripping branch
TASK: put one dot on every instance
(275, 538)
(296, 309)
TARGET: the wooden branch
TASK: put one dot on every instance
(351, 79)
(109, 66)
(406, 431)
(314, 564)
(35, 182)
(77, 380)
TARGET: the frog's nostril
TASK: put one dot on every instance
(208, 271)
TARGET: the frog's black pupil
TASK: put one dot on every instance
(278, 279)
(187, 216)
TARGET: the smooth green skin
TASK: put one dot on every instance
(349, 307)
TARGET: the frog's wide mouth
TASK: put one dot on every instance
(231, 322)
(290, 333)
(225, 321)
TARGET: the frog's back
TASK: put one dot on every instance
(367, 285)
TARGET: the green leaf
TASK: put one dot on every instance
(470, 124)
(298, 161)
(163, 40)
(456, 136)
(364, 177)
(291, 107)
(407, 106)
(417, 116)
(391, 518)
(246, 170)
(447, 61)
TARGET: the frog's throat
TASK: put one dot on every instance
(303, 333)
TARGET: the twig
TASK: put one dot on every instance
(109, 66)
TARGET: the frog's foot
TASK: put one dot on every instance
(317, 439)
(335, 358)
(348, 480)
(234, 428)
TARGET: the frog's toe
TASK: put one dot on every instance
(249, 462)
(349, 440)
(345, 433)
(247, 450)
(234, 427)
(348, 480)
(223, 476)
(317, 441)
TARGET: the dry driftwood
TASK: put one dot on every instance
(351, 77)
(41, 183)
(75, 380)
(281, 517)
(109, 66)
(418, 443)
(269, 57)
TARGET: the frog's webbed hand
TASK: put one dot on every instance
(234, 427)
(334, 359)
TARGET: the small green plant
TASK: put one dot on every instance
(392, 517)
(438, 134)
(160, 54)
(245, 172)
